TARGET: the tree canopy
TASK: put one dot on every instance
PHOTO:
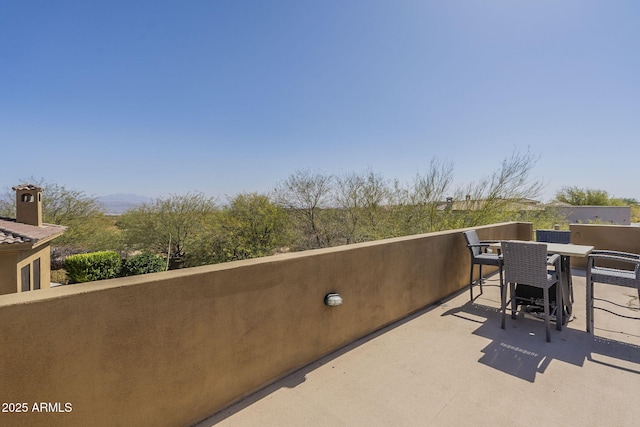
(587, 197)
(250, 226)
(307, 210)
(173, 226)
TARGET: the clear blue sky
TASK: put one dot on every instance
(226, 96)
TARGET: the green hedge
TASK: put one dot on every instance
(93, 266)
(143, 263)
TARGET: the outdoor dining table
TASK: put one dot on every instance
(566, 251)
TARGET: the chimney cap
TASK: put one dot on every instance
(23, 187)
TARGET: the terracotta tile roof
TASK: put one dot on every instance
(26, 187)
(7, 238)
(12, 232)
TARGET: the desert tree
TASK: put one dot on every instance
(499, 197)
(308, 198)
(360, 199)
(249, 226)
(416, 206)
(172, 226)
(588, 197)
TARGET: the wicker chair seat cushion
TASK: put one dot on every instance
(488, 259)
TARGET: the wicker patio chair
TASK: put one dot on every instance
(558, 236)
(613, 276)
(480, 256)
(525, 263)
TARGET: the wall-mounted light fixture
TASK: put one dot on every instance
(333, 299)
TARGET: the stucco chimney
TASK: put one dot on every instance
(28, 204)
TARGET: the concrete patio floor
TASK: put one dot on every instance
(452, 365)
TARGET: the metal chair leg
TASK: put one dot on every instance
(503, 300)
(589, 303)
(471, 281)
(545, 296)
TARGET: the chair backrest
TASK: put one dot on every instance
(472, 239)
(553, 236)
(525, 263)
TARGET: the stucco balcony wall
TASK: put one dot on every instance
(173, 348)
(624, 238)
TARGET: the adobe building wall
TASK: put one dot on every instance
(29, 258)
(8, 272)
(619, 215)
(12, 262)
(173, 348)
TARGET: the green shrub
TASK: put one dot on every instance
(142, 264)
(93, 266)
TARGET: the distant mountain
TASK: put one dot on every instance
(116, 204)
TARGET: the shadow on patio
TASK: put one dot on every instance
(519, 350)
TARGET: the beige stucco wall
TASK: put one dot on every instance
(8, 278)
(28, 257)
(11, 262)
(173, 348)
(613, 237)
